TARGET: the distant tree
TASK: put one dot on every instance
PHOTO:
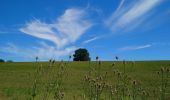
(81, 54)
(1, 60)
(9, 61)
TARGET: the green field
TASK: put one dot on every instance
(17, 79)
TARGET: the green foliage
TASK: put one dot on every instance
(1, 60)
(81, 55)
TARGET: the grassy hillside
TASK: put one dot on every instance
(17, 80)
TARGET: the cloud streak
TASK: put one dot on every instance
(129, 48)
(91, 40)
(67, 29)
(131, 16)
(44, 51)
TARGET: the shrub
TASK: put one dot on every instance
(1, 60)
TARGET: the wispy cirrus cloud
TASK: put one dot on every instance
(44, 51)
(67, 29)
(129, 48)
(64, 31)
(130, 16)
(91, 39)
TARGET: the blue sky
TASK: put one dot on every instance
(130, 29)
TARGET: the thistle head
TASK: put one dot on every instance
(70, 57)
(112, 92)
(53, 61)
(158, 72)
(117, 58)
(50, 60)
(167, 70)
(134, 82)
(113, 64)
(97, 58)
(118, 73)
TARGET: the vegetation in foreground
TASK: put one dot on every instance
(118, 80)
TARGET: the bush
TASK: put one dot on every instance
(1, 60)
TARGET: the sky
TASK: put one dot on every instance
(129, 29)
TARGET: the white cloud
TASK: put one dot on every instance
(65, 30)
(129, 17)
(43, 51)
(90, 40)
(127, 48)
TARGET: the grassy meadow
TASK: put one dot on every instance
(106, 80)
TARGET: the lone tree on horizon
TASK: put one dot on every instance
(81, 54)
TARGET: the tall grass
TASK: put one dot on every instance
(115, 83)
